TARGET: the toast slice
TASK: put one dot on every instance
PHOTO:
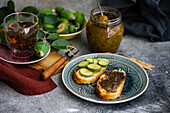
(110, 84)
(80, 79)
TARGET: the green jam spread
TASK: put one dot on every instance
(113, 81)
(104, 35)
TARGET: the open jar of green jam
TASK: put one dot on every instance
(104, 32)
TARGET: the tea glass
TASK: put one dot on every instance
(20, 33)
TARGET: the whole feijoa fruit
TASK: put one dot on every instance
(79, 18)
(41, 49)
(67, 14)
(48, 26)
(58, 10)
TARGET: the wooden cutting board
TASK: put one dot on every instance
(48, 61)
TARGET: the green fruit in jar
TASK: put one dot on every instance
(62, 28)
(63, 20)
(67, 14)
(31, 9)
(58, 10)
(41, 49)
(48, 26)
(79, 18)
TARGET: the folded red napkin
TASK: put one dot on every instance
(24, 79)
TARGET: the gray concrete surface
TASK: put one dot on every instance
(156, 99)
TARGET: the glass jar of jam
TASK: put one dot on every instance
(104, 32)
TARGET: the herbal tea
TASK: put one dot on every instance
(21, 36)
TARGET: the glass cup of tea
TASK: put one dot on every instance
(21, 32)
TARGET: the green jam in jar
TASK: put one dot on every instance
(104, 32)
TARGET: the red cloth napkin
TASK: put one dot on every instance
(24, 79)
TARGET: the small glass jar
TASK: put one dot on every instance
(104, 35)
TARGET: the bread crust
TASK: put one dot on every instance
(109, 95)
(79, 80)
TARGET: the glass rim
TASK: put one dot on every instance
(17, 13)
(103, 8)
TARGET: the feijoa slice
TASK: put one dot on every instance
(103, 62)
(94, 67)
(83, 64)
(90, 60)
(104, 59)
(62, 28)
(86, 72)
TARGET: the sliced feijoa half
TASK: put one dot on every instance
(86, 72)
(62, 28)
(103, 62)
(90, 60)
(104, 59)
(94, 67)
(83, 64)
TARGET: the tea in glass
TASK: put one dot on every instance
(21, 32)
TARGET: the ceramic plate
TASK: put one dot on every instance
(6, 56)
(136, 83)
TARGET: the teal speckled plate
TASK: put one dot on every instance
(136, 83)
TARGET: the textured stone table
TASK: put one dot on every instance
(155, 99)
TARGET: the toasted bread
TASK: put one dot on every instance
(108, 91)
(80, 79)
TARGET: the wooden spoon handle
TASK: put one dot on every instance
(47, 73)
